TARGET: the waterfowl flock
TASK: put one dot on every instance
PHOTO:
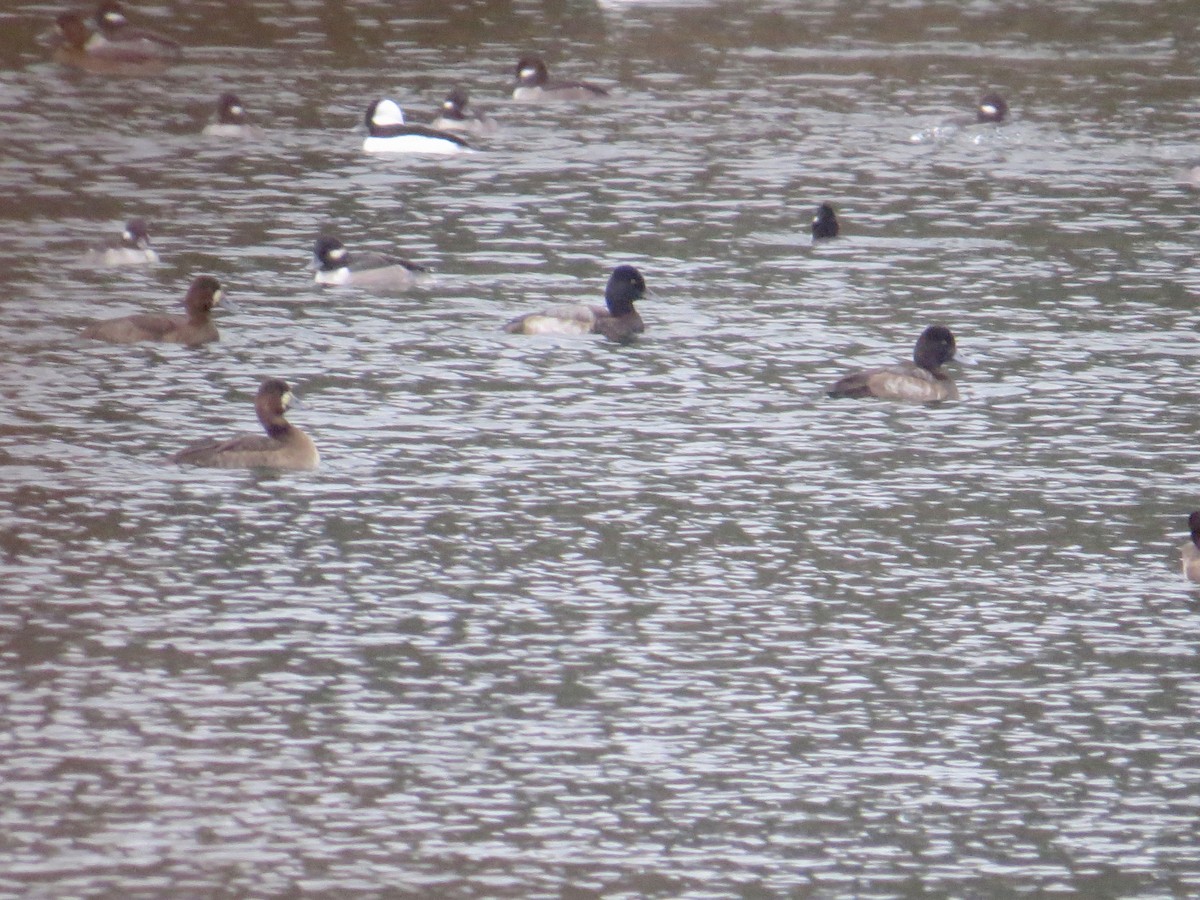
(107, 43)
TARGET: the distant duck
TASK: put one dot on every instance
(617, 319)
(284, 446)
(920, 381)
(824, 223)
(454, 116)
(534, 84)
(1190, 552)
(191, 330)
(992, 108)
(335, 265)
(388, 133)
(130, 248)
(116, 32)
(232, 120)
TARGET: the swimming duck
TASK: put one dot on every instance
(454, 116)
(824, 223)
(132, 248)
(534, 84)
(992, 108)
(388, 133)
(116, 32)
(335, 265)
(232, 120)
(921, 380)
(617, 319)
(192, 330)
(283, 447)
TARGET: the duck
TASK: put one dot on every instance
(454, 116)
(284, 446)
(920, 381)
(1190, 552)
(335, 265)
(534, 84)
(131, 248)
(116, 32)
(388, 133)
(992, 107)
(231, 121)
(191, 330)
(824, 223)
(616, 320)
(81, 48)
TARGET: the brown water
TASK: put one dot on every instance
(559, 617)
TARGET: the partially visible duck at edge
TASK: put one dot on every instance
(336, 265)
(1190, 552)
(232, 120)
(116, 32)
(616, 320)
(192, 330)
(534, 84)
(919, 381)
(824, 223)
(454, 116)
(387, 132)
(130, 248)
(284, 446)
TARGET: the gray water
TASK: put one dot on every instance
(559, 617)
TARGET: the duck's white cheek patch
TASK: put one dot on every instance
(338, 254)
(236, 111)
(127, 235)
(988, 109)
(527, 73)
(218, 297)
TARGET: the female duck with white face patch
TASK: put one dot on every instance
(335, 265)
(131, 249)
(388, 133)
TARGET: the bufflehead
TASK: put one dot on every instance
(81, 48)
(920, 381)
(232, 121)
(617, 319)
(455, 117)
(534, 84)
(116, 32)
(992, 108)
(1190, 552)
(388, 133)
(284, 446)
(824, 223)
(192, 330)
(131, 248)
(335, 265)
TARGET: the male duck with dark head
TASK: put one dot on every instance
(116, 32)
(335, 265)
(387, 132)
(534, 84)
(192, 330)
(919, 381)
(284, 446)
(616, 320)
(1190, 552)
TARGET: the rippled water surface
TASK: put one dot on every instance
(562, 617)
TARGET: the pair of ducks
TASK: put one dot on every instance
(114, 46)
(388, 132)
